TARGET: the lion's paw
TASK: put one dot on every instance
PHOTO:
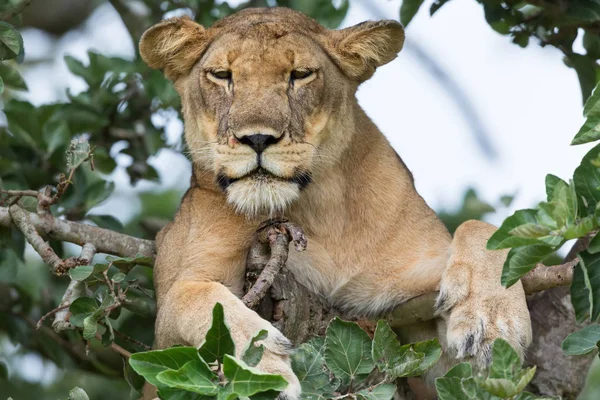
(473, 322)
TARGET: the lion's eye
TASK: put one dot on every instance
(223, 74)
(298, 74)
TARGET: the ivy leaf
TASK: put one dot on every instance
(348, 351)
(195, 376)
(150, 363)
(253, 352)
(218, 340)
(583, 341)
(247, 381)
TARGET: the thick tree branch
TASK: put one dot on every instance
(105, 241)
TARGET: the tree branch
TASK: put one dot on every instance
(105, 241)
(75, 290)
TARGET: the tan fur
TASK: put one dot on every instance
(373, 241)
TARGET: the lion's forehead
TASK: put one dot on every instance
(273, 21)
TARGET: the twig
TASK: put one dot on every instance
(13, 13)
(20, 193)
(105, 241)
(132, 340)
(116, 347)
(75, 290)
(278, 234)
(49, 313)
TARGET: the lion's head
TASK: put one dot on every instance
(268, 96)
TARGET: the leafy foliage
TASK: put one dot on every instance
(549, 23)
(505, 379)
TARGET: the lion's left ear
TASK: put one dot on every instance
(174, 46)
(360, 49)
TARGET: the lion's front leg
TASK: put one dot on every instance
(185, 316)
(477, 309)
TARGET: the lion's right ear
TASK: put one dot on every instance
(174, 46)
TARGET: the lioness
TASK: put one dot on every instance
(274, 128)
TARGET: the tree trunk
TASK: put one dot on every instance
(553, 319)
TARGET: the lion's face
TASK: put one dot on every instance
(262, 93)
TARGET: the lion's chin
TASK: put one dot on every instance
(255, 197)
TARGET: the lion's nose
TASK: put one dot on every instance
(259, 142)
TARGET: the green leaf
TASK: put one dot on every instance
(524, 377)
(385, 348)
(348, 351)
(98, 193)
(309, 366)
(1, 85)
(83, 305)
(218, 340)
(551, 182)
(436, 6)
(195, 376)
(583, 341)
(521, 260)
(502, 388)
(247, 381)
(90, 327)
(408, 363)
(432, 352)
(150, 363)
(106, 221)
(11, 42)
(505, 361)
(78, 393)
(462, 370)
(81, 273)
(589, 132)
(586, 72)
(408, 10)
(530, 230)
(379, 392)
(585, 288)
(592, 104)
(457, 389)
(253, 352)
(503, 239)
(109, 335)
(587, 179)
(594, 246)
(11, 77)
(129, 261)
(56, 134)
(118, 277)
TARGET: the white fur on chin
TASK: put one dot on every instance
(261, 196)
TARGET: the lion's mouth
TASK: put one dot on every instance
(302, 179)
